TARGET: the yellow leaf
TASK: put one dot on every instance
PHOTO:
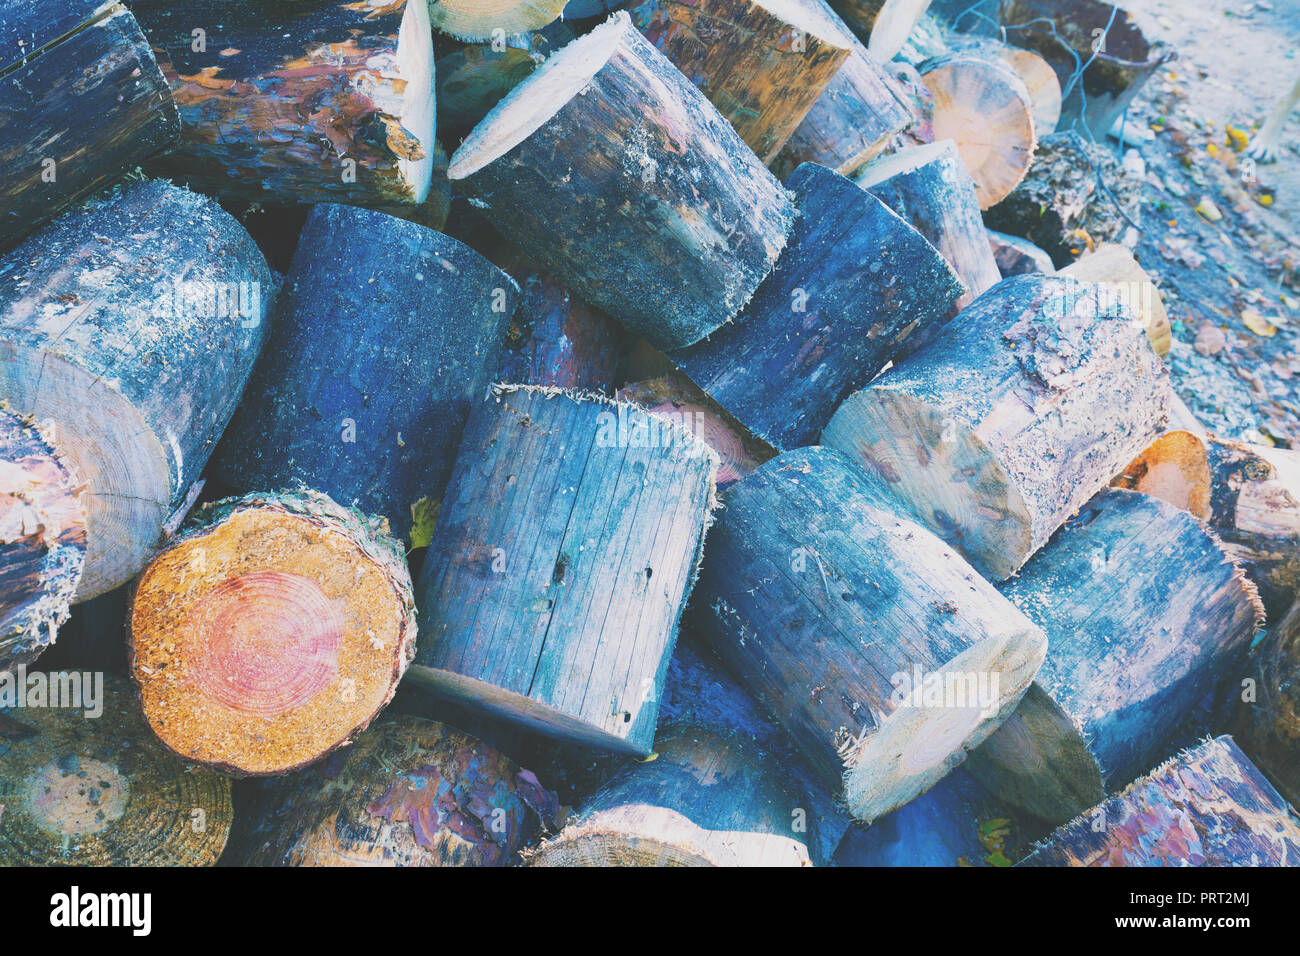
(424, 516)
(1257, 323)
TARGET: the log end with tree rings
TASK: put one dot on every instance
(984, 107)
(709, 798)
(481, 20)
(1174, 468)
(90, 786)
(1041, 82)
(1032, 399)
(42, 540)
(270, 632)
(669, 221)
(407, 792)
(1207, 806)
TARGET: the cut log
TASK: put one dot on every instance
(557, 339)
(408, 792)
(271, 631)
(298, 103)
(130, 325)
(1144, 614)
(805, 561)
(1029, 402)
(613, 172)
(101, 791)
(861, 110)
(707, 799)
(1113, 267)
(1270, 718)
(489, 19)
(830, 317)
(1035, 72)
(762, 63)
(1176, 466)
(565, 549)
(1018, 257)
(388, 333)
(433, 212)
(983, 107)
(930, 188)
(885, 24)
(42, 540)
(51, 154)
(1209, 806)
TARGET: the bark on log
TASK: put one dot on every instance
(557, 339)
(983, 106)
(298, 103)
(762, 63)
(610, 170)
(1270, 721)
(930, 188)
(271, 631)
(1144, 614)
(707, 799)
(1209, 806)
(1113, 267)
(1029, 402)
(564, 552)
(1018, 257)
(843, 619)
(408, 792)
(884, 24)
(102, 792)
(387, 335)
(59, 140)
(42, 540)
(131, 325)
(486, 19)
(831, 316)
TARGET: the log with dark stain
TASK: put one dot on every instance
(1269, 717)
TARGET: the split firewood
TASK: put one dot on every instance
(83, 790)
(707, 799)
(930, 187)
(1113, 267)
(298, 103)
(407, 792)
(271, 631)
(1027, 403)
(42, 540)
(1018, 257)
(982, 105)
(52, 155)
(762, 63)
(613, 172)
(553, 600)
(556, 339)
(1270, 717)
(805, 559)
(1144, 614)
(885, 24)
(830, 317)
(133, 360)
(488, 19)
(388, 333)
(1176, 466)
(1208, 806)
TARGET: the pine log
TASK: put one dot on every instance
(1113, 267)
(1208, 806)
(564, 552)
(1176, 466)
(610, 170)
(849, 623)
(1035, 72)
(101, 791)
(707, 799)
(762, 63)
(1028, 402)
(831, 316)
(886, 24)
(60, 140)
(1144, 614)
(983, 106)
(387, 334)
(1017, 257)
(1270, 718)
(42, 540)
(271, 631)
(930, 188)
(556, 339)
(408, 792)
(298, 102)
(130, 326)
(491, 19)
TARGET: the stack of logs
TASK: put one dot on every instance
(628, 385)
